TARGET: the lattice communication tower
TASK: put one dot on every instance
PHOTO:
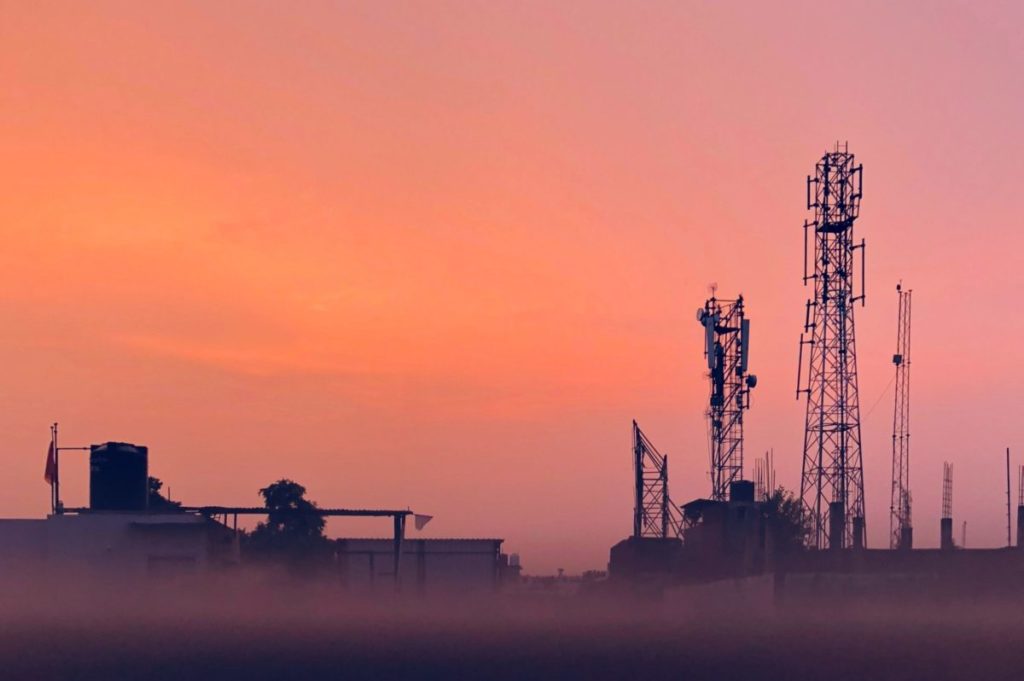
(727, 350)
(832, 480)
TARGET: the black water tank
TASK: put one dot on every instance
(118, 477)
(741, 490)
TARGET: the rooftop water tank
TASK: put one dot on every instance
(741, 490)
(118, 477)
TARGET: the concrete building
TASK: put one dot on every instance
(737, 537)
(120, 535)
(115, 545)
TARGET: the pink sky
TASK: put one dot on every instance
(439, 255)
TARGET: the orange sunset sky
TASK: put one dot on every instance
(438, 255)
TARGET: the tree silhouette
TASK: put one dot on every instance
(157, 501)
(786, 520)
(292, 530)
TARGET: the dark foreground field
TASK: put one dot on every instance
(314, 637)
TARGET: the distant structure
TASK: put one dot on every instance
(764, 476)
(656, 544)
(946, 522)
(727, 349)
(654, 514)
(428, 566)
(901, 532)
(1020, 507)
(832, 480)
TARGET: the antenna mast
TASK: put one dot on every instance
(1009, 541)
(946, 522)
(832, 481)
(727, 349)
(901, 533)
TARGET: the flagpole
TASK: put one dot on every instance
(56, 471)
(49, 478)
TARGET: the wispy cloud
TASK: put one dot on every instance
(234, 357)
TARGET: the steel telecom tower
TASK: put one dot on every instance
(727, 349)
(654, 514)
(946, 521)
(832, 483)
(901, 533)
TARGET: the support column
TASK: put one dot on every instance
(1020, 527)
(946, 534)
(906, 538)
(836, 525)
(858, 532)
(399, 536)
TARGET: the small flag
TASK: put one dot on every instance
(51, 465)
(420, 521)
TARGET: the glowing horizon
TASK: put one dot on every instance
(442, 257)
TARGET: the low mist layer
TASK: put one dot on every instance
(237, 628)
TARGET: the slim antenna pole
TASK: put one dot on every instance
(900, 527)
(1008, 541)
